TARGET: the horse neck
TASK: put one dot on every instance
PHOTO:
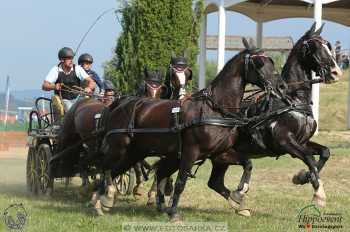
(293, 74)
(229, 89)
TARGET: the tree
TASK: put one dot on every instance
(151, 31)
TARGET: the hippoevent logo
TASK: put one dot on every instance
(15, 217)
(311, 218)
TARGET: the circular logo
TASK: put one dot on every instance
(15, 216)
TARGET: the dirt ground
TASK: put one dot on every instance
(12, 143)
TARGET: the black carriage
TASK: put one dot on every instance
(42, 143)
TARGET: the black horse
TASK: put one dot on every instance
(289, 130)
(204, 130)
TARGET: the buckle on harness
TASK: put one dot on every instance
(175, 110)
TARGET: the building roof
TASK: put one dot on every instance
(270, 43)
(268, 10)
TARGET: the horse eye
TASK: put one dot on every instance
(329, 46)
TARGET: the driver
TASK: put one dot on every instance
(66, 76)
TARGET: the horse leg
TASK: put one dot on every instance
(216, 180)
(305, 154)
(166, 168)
(107, 199)
(169, 188)
(238, 196)
(107, 195)
(303, 176)
(186, 164)
(152, 192)
(138, 173)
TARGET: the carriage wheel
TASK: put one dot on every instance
(125, 182)
(44, 182)
(31, 172)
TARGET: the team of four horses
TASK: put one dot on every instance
(216, 123)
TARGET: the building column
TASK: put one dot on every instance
(259, 34)
(348, 115)
(316, 87)
(203, 53)
(221, 36)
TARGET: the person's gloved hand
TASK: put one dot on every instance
(88, 90)
(58, 86)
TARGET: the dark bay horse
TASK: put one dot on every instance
(177, 79)
(151, 87)
(289, 132)
(197, 141)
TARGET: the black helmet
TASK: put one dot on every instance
(179, 61)
(108, 85)
(85, 58)
(153, 76)
(65, 53)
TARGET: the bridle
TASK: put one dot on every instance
(208, 95)
(322, 67)
(249, 60)
(154, 87)
(174, 69)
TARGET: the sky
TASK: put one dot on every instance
(32, 32)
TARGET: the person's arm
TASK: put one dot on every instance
(97, 79)
(47, 86)
(83, 76)
(50, 80)
(90, 84)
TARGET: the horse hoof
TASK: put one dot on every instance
(162, 208)
(107, 201)
(98, 208)
(175, 218)
(244, 212)
(233, 204)
(236, 196)
(301, 177)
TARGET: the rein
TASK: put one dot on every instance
(80, 91)
(312, 82)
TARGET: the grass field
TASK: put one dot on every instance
(274, 200)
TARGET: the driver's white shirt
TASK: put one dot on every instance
(53, 74)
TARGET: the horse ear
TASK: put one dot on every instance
(319, 31)
(311, 31)
(245, 43)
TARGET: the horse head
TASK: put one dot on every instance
(180, 74)
(315, 53)
(258, 67)
(153, 86)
